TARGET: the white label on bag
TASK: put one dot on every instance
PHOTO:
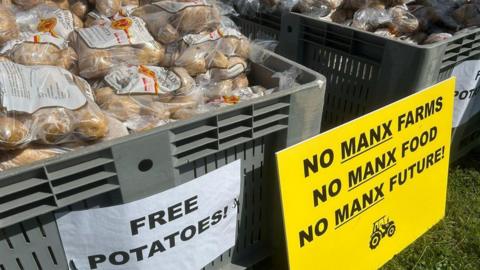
(123, 31)
(235, 70)
(182, 228)
(143, 80)
(175, 7)
(467, 100)
(63, 24)
(228, 73)
(53, 29)
(27, 89)
(194, 39)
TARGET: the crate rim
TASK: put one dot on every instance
(319, 81)
(418, 46)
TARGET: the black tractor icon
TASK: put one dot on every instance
(383, 226)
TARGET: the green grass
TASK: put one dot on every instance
(454, 243)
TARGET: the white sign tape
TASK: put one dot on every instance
(185, 227)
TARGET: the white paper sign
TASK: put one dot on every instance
(183, 228)
(467, 101)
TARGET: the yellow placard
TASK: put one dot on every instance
(355, 196)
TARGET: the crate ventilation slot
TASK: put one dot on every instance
(339, 40)
(57, 185)
(460, 50)
(228, 130)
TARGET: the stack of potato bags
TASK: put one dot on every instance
(73, 73)
(413, 21)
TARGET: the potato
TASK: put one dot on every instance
(318, 7)
(370, 19)
(219, 89)
(195, 20)
(119, 106)
(22, 157)
(467, 15)
(27, 4)
(77, 22)
(79, 8)
(150, 54)
(403, 21)
(108, 7)
(355, 4)
(241, 81)
(167, 34)
(63, 4)
(167, 26)
(130, 3)
(90, 123)
(13, 132)
(31, 54)
(8, 26)
(52, 124)
(342, 15)
(138, 112)
(234, 46)
(217, 60)
(95, 64)
(156, 109)
(193, 59)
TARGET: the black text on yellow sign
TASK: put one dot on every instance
(355, 196)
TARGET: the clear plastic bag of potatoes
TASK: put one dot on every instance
(46, 105)
(121, 40)
(371, 18)
(144, 97)
(316, 8)
(251, 8)
(223, 50)
(168, 21)
(43, 37)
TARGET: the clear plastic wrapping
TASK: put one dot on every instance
(371, 18)
(46, 105)
(168, 21)
(122, 40)
(108, 7)
(42, 40)
(403, 22)
(29, 155)
(8, 26)
(144, 97)
(219, 51)
(79, 8)
(27, 4)
(316, 8)
(63, 4)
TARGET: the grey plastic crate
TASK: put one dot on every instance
(365, 71)
(262, 26)
(141, 165)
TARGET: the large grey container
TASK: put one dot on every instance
(365, 71)
(138, 166)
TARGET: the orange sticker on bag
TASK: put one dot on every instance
(149, 73)
(48, 26)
